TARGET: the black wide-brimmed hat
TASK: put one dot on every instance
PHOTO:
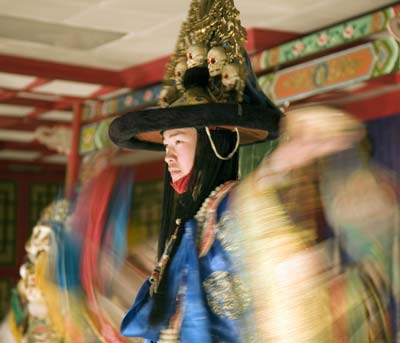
(222, 94)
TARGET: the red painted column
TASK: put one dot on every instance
(74, 158)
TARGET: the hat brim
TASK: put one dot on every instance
(141, 129)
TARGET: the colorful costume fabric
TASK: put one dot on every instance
(258, 269)
(211, 305)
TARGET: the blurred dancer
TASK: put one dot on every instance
(338, 284)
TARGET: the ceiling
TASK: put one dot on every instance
(54, 53)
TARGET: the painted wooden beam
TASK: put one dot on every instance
(31, 146)
(261, 39)
(53, 70)
(44, 94)
(331, 72)
(130, 101)
(19, 101)
(145, 74)
(60, 105)
(27, 124)
(36, 83)
(6, 95)
(346, 32)
(42, 169)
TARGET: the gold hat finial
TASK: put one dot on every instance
(211, 36)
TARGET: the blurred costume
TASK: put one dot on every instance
(258, 268)
(61, 295)
(236, 263)
(35, 314)
(311, 283)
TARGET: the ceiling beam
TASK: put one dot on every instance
(60, 105)
(31, 146)
(60, 97)
(29, 102)
(38, 167)
(7, 95)
(145, 74)
(364, 89)
(262, 39)
(60, 71)
(26, 124)
(10, 122)
(36, 83)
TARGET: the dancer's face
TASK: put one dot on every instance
(180, 149)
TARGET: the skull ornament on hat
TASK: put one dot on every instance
(196, 56)
(216, 59)
(180, 70)
(206, 42)
(231, 77)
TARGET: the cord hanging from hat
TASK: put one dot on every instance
(230, 155)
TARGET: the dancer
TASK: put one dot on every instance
(230, 253)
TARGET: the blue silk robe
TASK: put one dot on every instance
(216, 302)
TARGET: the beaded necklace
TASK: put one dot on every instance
(207, 216)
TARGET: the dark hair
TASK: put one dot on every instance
(208, 173)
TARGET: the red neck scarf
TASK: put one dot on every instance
(181, 185)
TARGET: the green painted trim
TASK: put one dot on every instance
(317, 42)
(385, 60)
(130, 101)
